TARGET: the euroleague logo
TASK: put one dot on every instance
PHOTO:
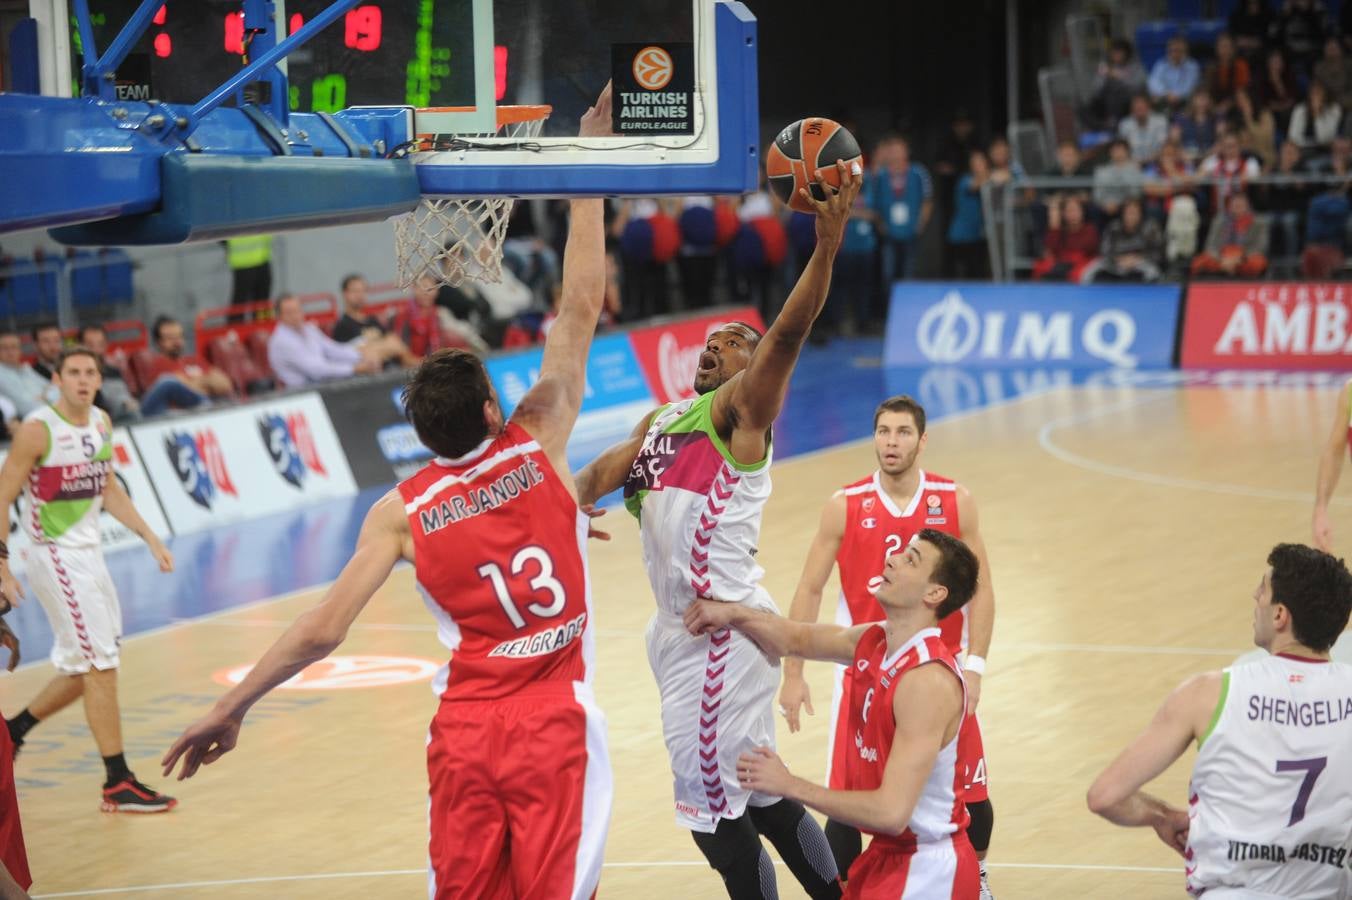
(653, 68)
(291, 446)
(338, 673)
(199, 464)
(933, 505)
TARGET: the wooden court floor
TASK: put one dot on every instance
(1126, 530)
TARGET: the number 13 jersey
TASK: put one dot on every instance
(500, 555)
(1270, 802)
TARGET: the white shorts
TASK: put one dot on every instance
(717, 703)
(78, 596)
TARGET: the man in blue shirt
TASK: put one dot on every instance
(1174, 78)
(901, 194)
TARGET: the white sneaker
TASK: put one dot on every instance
(985, 886)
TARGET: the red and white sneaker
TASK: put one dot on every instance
(129, 795)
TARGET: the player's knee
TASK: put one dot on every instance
(733, 842)
(982, 824)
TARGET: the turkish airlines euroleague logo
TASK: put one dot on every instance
(337, 673)
(653, 68)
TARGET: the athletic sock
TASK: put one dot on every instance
(116, 767)
(20, 725)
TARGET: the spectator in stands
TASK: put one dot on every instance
(1249, 23)
(951, 162)
(1287, 202)
(902, 196)
(1119, 78)
(205, 381)
(355, 321)
(1236, 245)
(47, 344)
(366, 330)
(1225, 74)
(1315, 122)
(114, 397)
(1118, 181)
(300, 354)
(22, 386)
(1326, 234)
(1195, 128)
(968, 256)
(1276, 88)
(1145, 130)
(1072, 243)
(1334, 72)
(250, 260)
(1174, 78)
(1229, 169)
(1299, 30)
(1132, 249)
(1257, 130)
(1171, 175)
(424, 327)
(531, 258)
(1340, 157)
(1070, 162)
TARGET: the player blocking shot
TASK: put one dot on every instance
(1270, 801)
(696, 474)
(903, 781)
(520, 782)
(862, 526)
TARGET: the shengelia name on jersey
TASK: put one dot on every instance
(1283, 712)
(478, 500)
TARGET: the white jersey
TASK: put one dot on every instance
(64, 493)
(1271, 796)
(699, 510)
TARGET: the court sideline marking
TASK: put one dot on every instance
(1044, 439)
(387, 873)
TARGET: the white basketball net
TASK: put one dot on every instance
(456, 238)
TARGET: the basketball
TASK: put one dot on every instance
(802, 153)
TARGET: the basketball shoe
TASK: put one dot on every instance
(985, 886)
(129, 795)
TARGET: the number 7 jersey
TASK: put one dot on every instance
(1270, 802)
(500, 555)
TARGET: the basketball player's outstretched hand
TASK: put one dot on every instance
(596, 121)
(704, 616)
(593, 514)
(762, 770)
(834, 211)
(205, 741)
(163, 557)
(1173, 830)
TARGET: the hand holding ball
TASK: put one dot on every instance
(804, 155)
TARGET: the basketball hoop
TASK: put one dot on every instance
(456, 238)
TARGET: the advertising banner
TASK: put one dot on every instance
(985, 325)
(1268, 325)
(131, 474)
(244, 461)
(669, 354)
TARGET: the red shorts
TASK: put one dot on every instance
(938, 870)
(12, 853)
(972, 759)
(971, 750)
(520, 796)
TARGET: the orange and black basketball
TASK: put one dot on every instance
(802, 153)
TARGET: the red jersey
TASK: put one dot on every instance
(875, 529)
(940, 810)
(499, 550)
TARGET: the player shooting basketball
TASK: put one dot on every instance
(697, 475)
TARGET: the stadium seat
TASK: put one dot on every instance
(1152, 39)
(258, 350)
(139, 367)
(233, 358)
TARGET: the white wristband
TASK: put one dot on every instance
(976, 664)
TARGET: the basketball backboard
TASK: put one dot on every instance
(363, 80)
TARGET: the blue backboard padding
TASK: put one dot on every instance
(211, 196)
(736, 171)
